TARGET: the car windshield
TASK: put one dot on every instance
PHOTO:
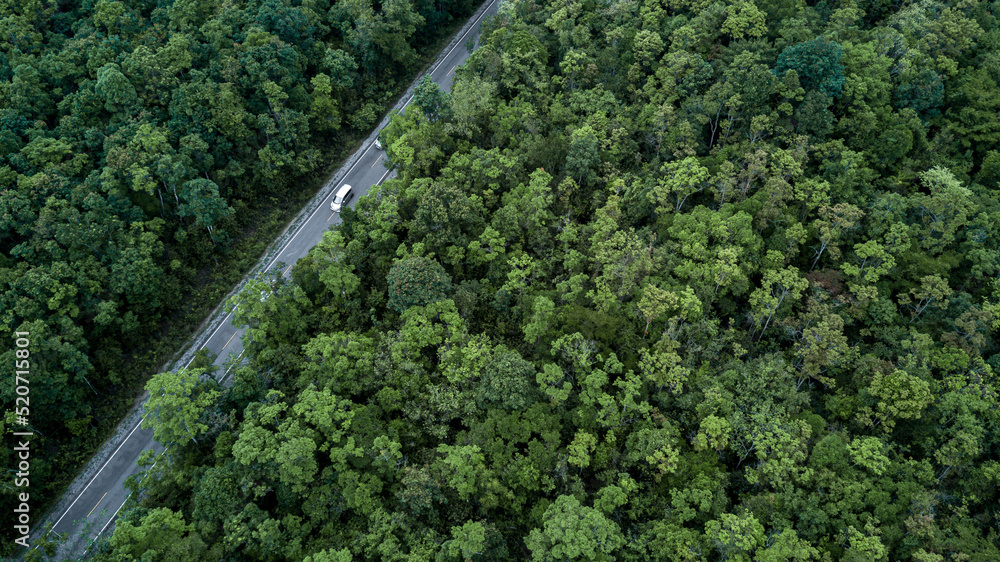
(338, 200)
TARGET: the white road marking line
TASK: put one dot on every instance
(101, 532)
(383, 177)
(96, 475)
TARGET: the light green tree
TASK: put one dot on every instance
(744, 19)
(735, 537)
(869, 453)
(580, 449)
(330, 555)
(932, 292)
(466, 541)
(177, 401)
(897, 396)
(540, 321)
(464, 468)
(777, 286)
(945, 211)
(571, 531)
(820, 345)
(161, 534)
(786, 545)
(833, 224)
(865, 545)
(679, 180)
(337, 275)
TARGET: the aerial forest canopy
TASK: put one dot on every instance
(672, 280)
(143, 144)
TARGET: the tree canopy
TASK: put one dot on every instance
(658, 281)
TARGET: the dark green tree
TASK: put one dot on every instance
(417, 281)
(817, 63)
(431, 99)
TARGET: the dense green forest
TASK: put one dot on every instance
(143, 143)
(661, 280)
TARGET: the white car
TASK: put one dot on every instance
(343, 195)
(378, 143)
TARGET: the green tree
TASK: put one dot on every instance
(432, 101)
(921, 90)
(116, 91)
(473, 103)
(776, 286)
(735, 537)
(464, 468)
(161, 534)
(540, 322)
(944, 211)
(445, 218)
(744, 19)
(583, 157)
(648, 46)
(417, 281)
(621, 259)
(216, 496)
(817, 63)
(989, 172)
(201, 200)
(833, 224)
(176, 405)
(713, 251)
(467, 540)
(897, 395)
(786, 545)
(325, 112)
(505, 381)
(571, 531)
(679, 181)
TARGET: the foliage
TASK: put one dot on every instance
(817, 63)
(632, 295)
(417, 281)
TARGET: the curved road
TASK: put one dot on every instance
(95, 507)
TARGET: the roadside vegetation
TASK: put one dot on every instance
(149, 152)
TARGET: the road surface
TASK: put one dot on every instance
(92, 510)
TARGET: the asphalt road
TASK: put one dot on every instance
(95, 507)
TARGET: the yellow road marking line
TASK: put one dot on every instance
(286, 269)
(377, 159)
(230, 339)
(452, 68)
(98, 503)
(331, 216)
